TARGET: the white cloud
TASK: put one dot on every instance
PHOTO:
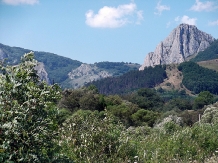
(17, 2)
(213, 23)
(139, 16)
(200, 6)
(177, 18)
(160, 8)
(114, 17)
(186, 20)
(168, 24)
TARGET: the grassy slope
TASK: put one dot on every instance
(211, 64)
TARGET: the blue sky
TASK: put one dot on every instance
(100, 30)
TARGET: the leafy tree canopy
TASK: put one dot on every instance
(28, 114)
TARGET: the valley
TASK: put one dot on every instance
(165, 110)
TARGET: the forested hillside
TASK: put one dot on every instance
(197, 78)
(131, 81)
(56, 66)
(117, 68)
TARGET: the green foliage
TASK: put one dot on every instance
(210, 114)
(117, 68)
(208, 54)
(168, 95)
(198, 79)
(145, 98)
(113, 100)
(204, 98)
(178, 104)
(124, 112)
(190, 117)
(88, 137)
(28, 114)
(92, 136)
(84, 98)
(133, 80)
(144, 117)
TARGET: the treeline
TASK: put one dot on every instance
(133, 80)
(197, 78)
(208, 54)
(117, 68)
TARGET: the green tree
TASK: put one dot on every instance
(204, 98)
(28, 115)
(144, 117)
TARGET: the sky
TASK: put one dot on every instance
(100, 30)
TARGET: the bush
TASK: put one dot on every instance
(89, 137)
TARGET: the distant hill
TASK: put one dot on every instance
(68, 73)
(56, 66)
(87, 73)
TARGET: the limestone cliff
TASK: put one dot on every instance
(43, 75)
(85, 74)
(183, 42)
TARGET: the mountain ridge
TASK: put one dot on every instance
(184, 41)
(54, 68)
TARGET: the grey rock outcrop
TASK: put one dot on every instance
(43, 75)
(86, 73)
(183, 42)
(3, 55)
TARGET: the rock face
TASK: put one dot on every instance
(3, 55)
(86, 73)
(43, 75)
(183, 42)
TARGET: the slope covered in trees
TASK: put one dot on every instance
(132, 80)
(197, 78)
(56, 66)
(117, 68)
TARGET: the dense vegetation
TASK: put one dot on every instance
(113, 129)
(117, 68)
(28, 115)
(197, 78)
(133, 80)
(41, 123)
(208, 54)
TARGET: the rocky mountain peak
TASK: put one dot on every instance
(183, 42)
